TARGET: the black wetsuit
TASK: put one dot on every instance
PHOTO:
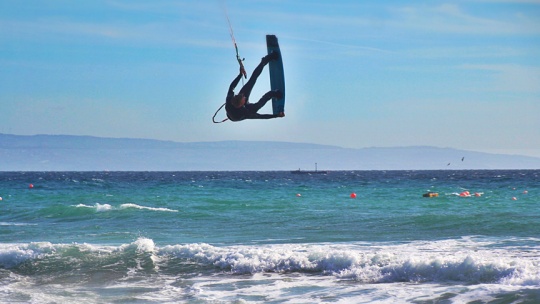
(249, 110)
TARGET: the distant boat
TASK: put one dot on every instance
(309, 172)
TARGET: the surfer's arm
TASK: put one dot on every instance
(234, 83)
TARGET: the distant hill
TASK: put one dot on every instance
(87, 153)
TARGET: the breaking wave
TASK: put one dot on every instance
(441, 261)
(106, 207)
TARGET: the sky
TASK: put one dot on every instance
(463, 74)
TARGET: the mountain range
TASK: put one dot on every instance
(87, 153)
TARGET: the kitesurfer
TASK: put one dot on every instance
(238, 107)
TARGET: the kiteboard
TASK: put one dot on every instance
(277, 76)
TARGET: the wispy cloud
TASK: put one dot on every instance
(452, 18)
(165, 33)
(343, 45)
(461, 52)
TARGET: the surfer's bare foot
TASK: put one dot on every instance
(272, 56)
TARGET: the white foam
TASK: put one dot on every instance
(468, 269)
(443, 261)
(141, 245)
(106, 207)
(126, 206)
(465, 261)
(97, 206)
(16, 224)
(14, 254)
(146, 254)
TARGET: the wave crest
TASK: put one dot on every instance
(106, 207)
(380, 266)
(368, 264)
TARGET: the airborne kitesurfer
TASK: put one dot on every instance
(238, 106)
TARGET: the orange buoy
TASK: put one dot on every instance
(353, 195)
(465, 194)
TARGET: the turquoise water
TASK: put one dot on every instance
(207, 237)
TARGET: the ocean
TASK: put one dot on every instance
(270, 237)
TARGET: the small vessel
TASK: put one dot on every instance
(309, 172)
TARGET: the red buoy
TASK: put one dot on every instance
(353, 195)
(30, 186)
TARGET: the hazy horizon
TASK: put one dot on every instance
(84, 153)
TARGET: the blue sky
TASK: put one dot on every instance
(460, 74)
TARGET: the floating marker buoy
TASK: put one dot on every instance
(525, 192)
(0, 198)
(30, 186)
(298, 195)
(353, 195)
(514, 198)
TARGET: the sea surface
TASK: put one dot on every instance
(270, 237)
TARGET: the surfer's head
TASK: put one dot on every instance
(238, 100)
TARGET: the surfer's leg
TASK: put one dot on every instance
(246, 89)
(254, 107)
